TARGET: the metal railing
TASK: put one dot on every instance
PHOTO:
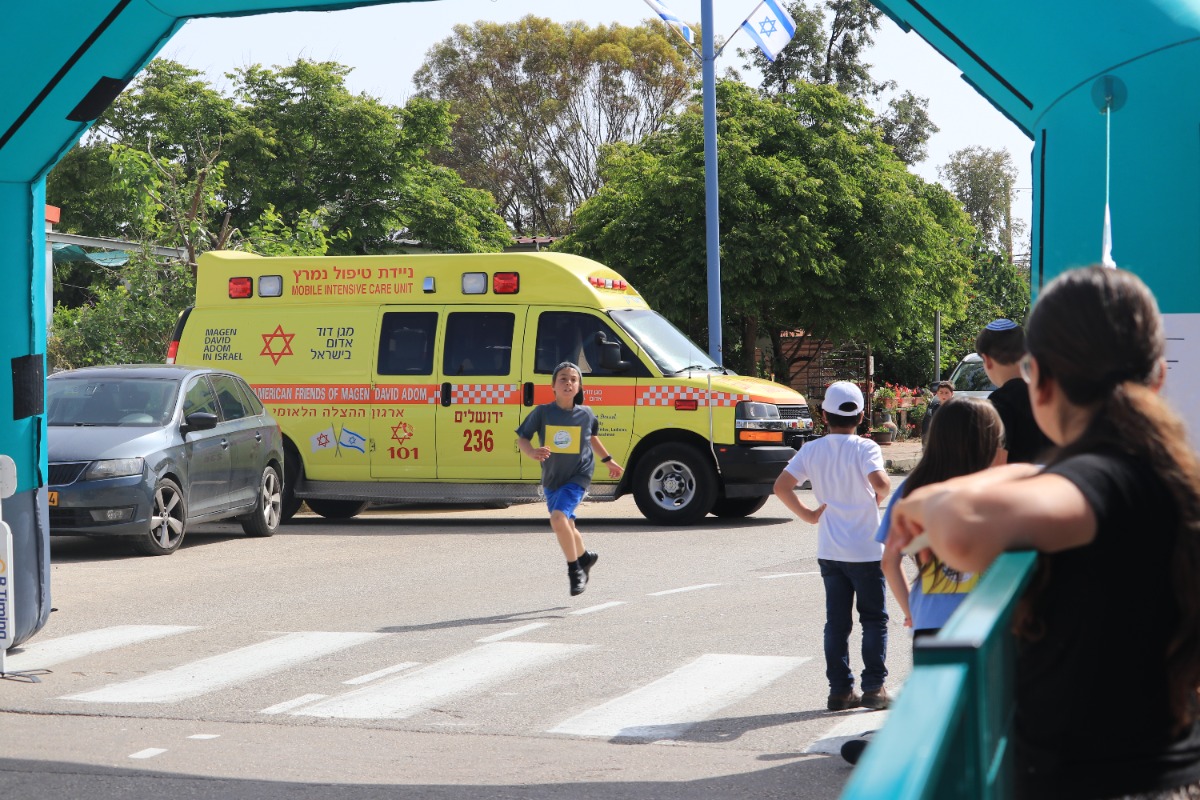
(947, 735)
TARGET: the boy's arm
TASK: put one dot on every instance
(536, 453)
(614, 469)
(880, 483)
(785, 490)
(894, 574)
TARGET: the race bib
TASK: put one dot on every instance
(563, 438)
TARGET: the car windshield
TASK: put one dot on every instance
(97, 401)
(670, 349)
(971, 377)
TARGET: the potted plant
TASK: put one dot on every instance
(885, 398)
(882, 434)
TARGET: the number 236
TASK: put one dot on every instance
(477, 441)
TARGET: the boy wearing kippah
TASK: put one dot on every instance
(1001, 345)
(562, 428)
(849, 482)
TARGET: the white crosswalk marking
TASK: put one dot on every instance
(43, 654)
(471, 672)
(669, 706)
(199, 677)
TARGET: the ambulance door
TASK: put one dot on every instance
(480, 398)
(554, 335)
(404, 394)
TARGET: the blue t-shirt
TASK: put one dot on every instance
(568, 433)
(935, 593)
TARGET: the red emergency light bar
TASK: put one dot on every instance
(506, 283)
(241, 287)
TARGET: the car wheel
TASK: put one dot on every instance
(168, 522)
(265, 518)
(738, 506)
(674, 484)
(289, 503)
(337, 509)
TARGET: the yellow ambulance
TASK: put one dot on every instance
(403, 378)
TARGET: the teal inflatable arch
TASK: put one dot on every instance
(1104, 90)
(66, 61)
(1052, 68)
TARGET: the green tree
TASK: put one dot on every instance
(985, 180)
(829, 48)
(535, 101)
(292, 139)
(823, 230)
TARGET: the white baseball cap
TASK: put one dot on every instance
(842, 397)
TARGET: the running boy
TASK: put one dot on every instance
(562, 427)
(849, 482)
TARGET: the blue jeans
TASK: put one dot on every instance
(846, 581)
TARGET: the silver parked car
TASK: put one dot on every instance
(142, 451)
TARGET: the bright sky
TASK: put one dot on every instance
(386, 44)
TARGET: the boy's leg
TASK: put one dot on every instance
(568, 537)
(870, 593)
(839, 601)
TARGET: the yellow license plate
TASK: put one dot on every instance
(53, 498)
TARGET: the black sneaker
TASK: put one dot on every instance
(852, 750)
(578, 578)
(587, 561)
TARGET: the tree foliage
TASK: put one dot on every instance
(985, 180)
(823, 229)
(292, 139)
(829, 47)
(536, 100)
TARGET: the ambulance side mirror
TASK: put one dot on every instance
(610, 354)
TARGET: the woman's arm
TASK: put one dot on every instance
(971, 520)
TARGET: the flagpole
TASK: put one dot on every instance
(712, 240)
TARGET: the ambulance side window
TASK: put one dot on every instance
(479, 343)
(406, 343)
(570, 336)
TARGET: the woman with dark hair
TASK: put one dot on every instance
(1108, 660)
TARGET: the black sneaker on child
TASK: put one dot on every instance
(578, 578)
(587, 561)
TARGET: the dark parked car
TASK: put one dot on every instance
(142, 451)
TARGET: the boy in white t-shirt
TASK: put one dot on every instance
(850, 483)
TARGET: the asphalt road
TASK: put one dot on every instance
(436, 653)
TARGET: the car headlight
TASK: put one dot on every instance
(114, 468)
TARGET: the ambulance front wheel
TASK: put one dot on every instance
(674, 484)
(731, 507)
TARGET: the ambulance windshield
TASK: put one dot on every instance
(671, 350)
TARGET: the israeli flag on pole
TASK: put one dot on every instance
(770, 27)
(351, 440)
(672, 19)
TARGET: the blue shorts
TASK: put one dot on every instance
(565, 498)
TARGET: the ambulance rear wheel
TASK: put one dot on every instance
(337, 509)
(674, 484)
(292, 467)
(738, 506)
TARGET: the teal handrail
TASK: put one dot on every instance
(947, 734)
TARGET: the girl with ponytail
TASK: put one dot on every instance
(1108, 660)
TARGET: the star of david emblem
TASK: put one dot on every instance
(402, 432)
(322, 440)
(767, 26)
(270, 340)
